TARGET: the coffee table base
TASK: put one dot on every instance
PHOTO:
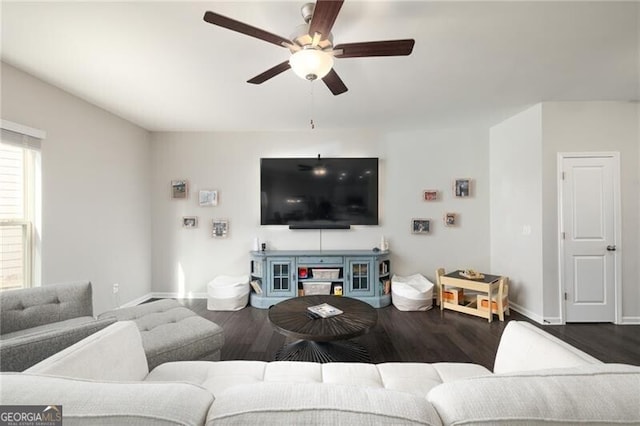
(338, 351)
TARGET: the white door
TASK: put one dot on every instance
(590, 208)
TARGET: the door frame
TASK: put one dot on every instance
(617, 217)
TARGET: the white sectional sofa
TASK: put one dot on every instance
(537, 379)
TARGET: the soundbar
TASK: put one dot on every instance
(319, 226)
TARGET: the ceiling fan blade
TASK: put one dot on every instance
(375, 48)
(237, 26)
(324, 16)
(270, 73)
(334, 83)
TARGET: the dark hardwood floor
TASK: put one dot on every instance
(429, 336)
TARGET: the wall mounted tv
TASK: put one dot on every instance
(319, 193)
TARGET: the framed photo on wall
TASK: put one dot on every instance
(430, 195)
(462, 187)
(450, 219)
(420, 226)
(190, 222)
(208, 198)
(179, 189)
(220, 228)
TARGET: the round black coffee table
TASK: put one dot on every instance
(323, 339)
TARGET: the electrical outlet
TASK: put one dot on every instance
(116, 288)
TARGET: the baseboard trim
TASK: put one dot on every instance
(136, 302)
(630, 321)
(159, 295)
(527, 313)
(553, 321)
(176, 295)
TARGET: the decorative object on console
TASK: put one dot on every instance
(384, 244)
(190, 222)
(450, 219)
(303, 272)
(325, 274)
(420, 226)
(220, 228)
(430, 195)
(208, 198)
(313, 288)
(179, 189)
(462, 187)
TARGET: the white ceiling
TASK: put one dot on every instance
(159, 65)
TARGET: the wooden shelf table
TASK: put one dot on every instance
(490, 285)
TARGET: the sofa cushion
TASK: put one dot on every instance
(524, 346)
(28, 347)
(99, 403)
(114, 353)
(32, 307)
(47, 328)
(593, 394)
(318, 404)
(420, 378)
(171, 332)
(414, 378)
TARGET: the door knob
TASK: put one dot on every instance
(611, 248)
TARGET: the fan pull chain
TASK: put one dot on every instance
(313, 125)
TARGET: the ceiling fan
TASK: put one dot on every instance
(311, 45)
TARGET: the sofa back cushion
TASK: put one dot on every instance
(32, 307)
(114, 353)
(94, 403)
(525, 347)
(318, 404)
(592, 394)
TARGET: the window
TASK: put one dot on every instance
(19, 206)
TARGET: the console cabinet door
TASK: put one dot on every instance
(281, 278)
(360, 277)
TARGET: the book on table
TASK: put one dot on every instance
(324, 310)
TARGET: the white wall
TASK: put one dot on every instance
(516, 208)
(184, 260)
(532, 141)
(95, 173)
(592, 127)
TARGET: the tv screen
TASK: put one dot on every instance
(319, 192)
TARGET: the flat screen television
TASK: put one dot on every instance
(317, 193)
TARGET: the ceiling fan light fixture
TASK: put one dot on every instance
(311, 63)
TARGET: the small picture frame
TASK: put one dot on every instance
(190, 222)
(462, 187)
(450, 219)
(430, 195)
(179, 189)
(208, 198)
(420, 226)
(220, 228)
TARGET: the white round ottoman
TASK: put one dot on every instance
(227, 293)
